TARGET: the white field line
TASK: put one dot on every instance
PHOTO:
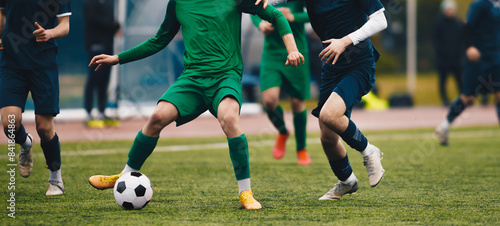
(265, 143)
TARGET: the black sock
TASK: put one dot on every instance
(52, 152)
(342, 168)
(456, 108)
(20, 135)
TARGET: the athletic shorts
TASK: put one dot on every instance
(350, 84)
(481, 78)
(43, 85)
(193, 95)
(295, 81)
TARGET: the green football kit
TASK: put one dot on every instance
(212, 65)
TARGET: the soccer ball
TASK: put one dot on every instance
(133, 191)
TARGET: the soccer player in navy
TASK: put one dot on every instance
(28, 64)
(482, 67)
(349, 73)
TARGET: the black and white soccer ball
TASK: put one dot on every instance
(133, 191)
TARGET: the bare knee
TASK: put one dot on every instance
(298, 105)
(332, 119)
(468, 100)
(270, 102)
(45, 131)
(229, 122)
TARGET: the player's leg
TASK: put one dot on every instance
(497, 95)
(270, 99)
(300, 125)
(13, 128)
(339, 163)
(49, 141)
(443, 75)
(228, 116)
(90, 89)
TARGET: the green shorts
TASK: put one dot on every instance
(295, 81)
(193, 95)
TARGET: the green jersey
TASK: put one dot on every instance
(274, 47)
(211, 31)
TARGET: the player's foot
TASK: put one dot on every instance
(339, 190)
(95, 123)
(374, 166)
(280, 146)
(104, 182)
(303, 157)
(442, 134)
(111, 122)
(25, 162)
(248, 202)
(55, 188)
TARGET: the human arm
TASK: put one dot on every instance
(280, 23)
(263, 26)
(165, 34)
(294, 17)
(376, 23)
(60, 31)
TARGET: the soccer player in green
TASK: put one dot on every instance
(211, 78)
(274, 75)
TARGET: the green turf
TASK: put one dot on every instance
(424, 184)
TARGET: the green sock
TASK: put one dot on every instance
(276, 117)
(300, 124)
(238, 150)
(141, 149)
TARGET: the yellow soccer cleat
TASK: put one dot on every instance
(247, 201)
(104, 182)
(111, 122)
(95, 123)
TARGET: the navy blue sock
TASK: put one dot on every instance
(20, 134)
(52, 153)
(354, 138)
(456, 108)
(342, 168)
(498, 111)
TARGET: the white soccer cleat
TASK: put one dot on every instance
(442, 134)
(55, 188)
(340, 190)
(374, 166)
(25, 162)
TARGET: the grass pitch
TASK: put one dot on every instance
(194, 183)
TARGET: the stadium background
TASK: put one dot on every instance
(140, 84)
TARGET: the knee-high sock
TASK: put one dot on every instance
(456, 108)
(277, 118)
(52, 152)
(20, 135)
(238, 151)
(300, 124)
(354, 138)
(141, 149)
(342, 168)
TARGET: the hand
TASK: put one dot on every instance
(336, 47)
(265, 2)
(104, 60)
(41, 34)
(473, 54)
(294, 59)
(266, 27)
(1, 45)
(287, 13)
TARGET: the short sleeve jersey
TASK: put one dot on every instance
(483, 21)
(21, 50)
(338, 18)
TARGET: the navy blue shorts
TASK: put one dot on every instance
(481, 78)
(43, 85)
(350, 84)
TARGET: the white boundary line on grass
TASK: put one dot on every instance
(264, 143)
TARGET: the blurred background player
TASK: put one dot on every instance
(29, 64)
(448, 42)
(295, 81)
(482, 66)
(345, 27)
(211, 79)
(100, 30)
